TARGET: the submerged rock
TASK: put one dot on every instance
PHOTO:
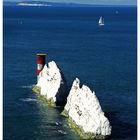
(52, 85)
(85, 114)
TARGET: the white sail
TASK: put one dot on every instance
(101, 21)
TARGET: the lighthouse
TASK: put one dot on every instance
(41, 58)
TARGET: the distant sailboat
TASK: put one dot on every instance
(101, 21)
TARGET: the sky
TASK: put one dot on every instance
(103, 2)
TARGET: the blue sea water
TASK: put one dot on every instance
(104, 58)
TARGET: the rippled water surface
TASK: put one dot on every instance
(104, 58)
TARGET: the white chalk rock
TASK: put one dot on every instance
(85, 111)
(51, 83)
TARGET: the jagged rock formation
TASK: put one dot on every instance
(85, 114)
(52, 85)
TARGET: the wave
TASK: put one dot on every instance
(28, 100)
(30, 86)
(62, 132)
(33, 4)
(58, 123)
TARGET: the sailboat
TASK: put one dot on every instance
(101, 21)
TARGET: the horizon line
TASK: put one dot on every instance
(70, 3)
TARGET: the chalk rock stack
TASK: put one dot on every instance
(51, 85)
(82, 108)
(85, 114)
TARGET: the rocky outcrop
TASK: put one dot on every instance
(52, 85)
(85, 114)
(82, 109)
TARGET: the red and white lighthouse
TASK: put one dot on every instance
(41, 58)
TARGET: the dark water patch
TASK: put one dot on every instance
(121, 129)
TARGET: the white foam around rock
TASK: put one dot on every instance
(84, 109)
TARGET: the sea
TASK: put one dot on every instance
(102, 57)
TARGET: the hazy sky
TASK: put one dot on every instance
(111, 2)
